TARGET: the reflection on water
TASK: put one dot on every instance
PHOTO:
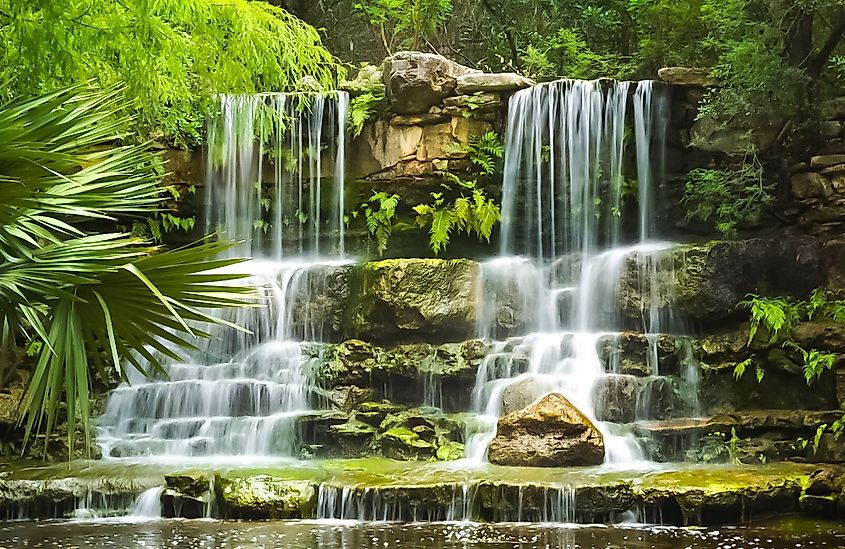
(348, 535)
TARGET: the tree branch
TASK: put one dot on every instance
(818, 61)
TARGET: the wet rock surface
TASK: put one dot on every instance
(414, 299)
(550, 433)
(265, 497)
(416, 81)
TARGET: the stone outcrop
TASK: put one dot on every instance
(550, 433)
(714, 277)
(383, 428)
(368, 80)
(413, 147)
(414, 299)
(417, 81)
(495, 82)
(686, 76)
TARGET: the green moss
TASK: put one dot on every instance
(450, 451)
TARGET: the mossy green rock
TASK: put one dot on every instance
(404, 444)
(266, 497)
(413, 299)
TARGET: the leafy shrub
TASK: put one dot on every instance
(727, 198)
(171, 55)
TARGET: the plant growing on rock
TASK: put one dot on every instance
(379, 214)
(779, 316)
(727, 198)
(362, 108)
(472, 212)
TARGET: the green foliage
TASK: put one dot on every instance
(484, 151)
(379, 213)
(568, 53)
(171, 55)
(472, 212)
(780, 315)
(406, 23)
(361, 108)
(727, 198)
(81, 294)
(824, 304)
(776, 314)
(815, 362)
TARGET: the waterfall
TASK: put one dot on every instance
(275, 183)
(267, 173)
(576, 232)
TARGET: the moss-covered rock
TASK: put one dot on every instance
(413, 299)
(265, 497)
(712, 278)
(403, 443)
(410, 373)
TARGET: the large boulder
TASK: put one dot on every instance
(417, 81)
(414, 299)
(550, 433)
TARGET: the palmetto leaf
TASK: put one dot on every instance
(83, 293)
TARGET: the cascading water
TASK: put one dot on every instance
(567, 249)
(275, 184)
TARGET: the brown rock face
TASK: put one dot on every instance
(550, 433)
(417, 81)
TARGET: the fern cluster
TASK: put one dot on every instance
(780, 315)
(362, 108)
(473, 212)
(483, 151)
(379, 213)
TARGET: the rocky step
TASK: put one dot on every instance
(752, 436)
(374, 489)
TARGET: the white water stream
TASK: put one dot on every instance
(241, 393)
(565, 249)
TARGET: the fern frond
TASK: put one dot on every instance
(441, 227)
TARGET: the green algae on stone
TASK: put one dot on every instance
(266, 497)
(413, 299)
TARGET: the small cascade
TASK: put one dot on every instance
(275, 182)
(578, 264)
(148, 504)
(270, 183)
(451, 502)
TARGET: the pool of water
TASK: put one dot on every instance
(323, 535)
